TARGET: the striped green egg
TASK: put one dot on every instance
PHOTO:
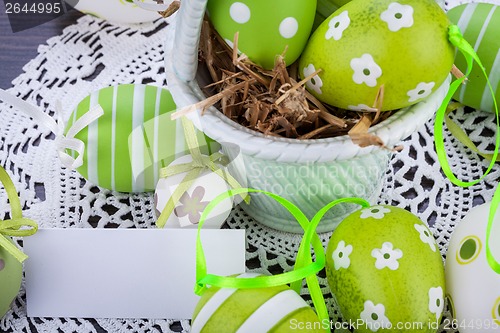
(274, 309)
(127, 146)
(480, 25)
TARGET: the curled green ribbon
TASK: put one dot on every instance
(304, 267)
(193, 169)
(13, 226)
(456, 38)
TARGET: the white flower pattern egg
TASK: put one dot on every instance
(384, 268)
(401, 46)
(187, 211)
(473, 286)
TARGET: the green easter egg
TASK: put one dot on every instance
(273, 309)
(480, 25)
(266, 28)
(384, 268)
(402, 46)
(127, 146)
(11, 274)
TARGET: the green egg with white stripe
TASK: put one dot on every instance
(273, 309)
(127, 146)
(480, 25)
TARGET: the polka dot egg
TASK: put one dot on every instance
(480, 24)
(473, 286)
(384, 268)
(11, 274)
(266, 28)
(127, 146)
(273, 309)
(401, 46)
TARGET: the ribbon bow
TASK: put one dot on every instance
(64, 142)
(13, 227)
(304, 267)
(199, 164)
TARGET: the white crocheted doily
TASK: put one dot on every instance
(93, 54)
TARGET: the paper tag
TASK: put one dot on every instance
(123, 273)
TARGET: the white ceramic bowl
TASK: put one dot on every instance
(310, 173)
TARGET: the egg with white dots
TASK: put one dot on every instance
(265, 28)
(272, 309)
(399, 46)
(473, 286)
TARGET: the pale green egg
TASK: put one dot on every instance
(11, 274)
(364, 45)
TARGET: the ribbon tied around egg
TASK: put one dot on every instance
(64, 142)
(456, 38)
(305, 267)
(193, 170)
(13, 226)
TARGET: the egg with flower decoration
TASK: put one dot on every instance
(378, 51)
(186, 210)
(473, 286)
(265, 28)
(384, 267)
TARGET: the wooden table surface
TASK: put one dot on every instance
(17, 49)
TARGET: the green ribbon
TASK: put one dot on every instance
(456, 38)
(193, 169)
(304, 267)
(13, 226)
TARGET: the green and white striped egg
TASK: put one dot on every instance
(127, 146)
(480, 25)
(273, 309)
(11, 274)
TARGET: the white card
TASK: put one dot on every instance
(123, 273)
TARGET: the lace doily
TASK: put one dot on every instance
(93, 54)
